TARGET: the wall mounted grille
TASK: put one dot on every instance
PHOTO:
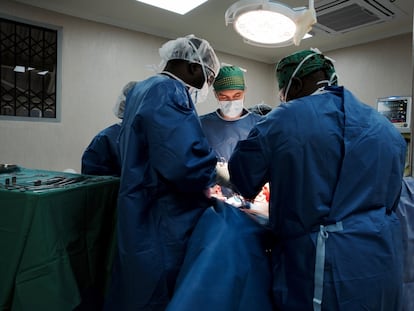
(341, 16)
(28, 59)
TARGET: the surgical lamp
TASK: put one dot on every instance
(270, 24)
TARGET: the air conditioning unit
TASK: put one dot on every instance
(341, 16)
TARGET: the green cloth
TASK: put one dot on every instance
(286, 66)
(56, 244)
(229, 78)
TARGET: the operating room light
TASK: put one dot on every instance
(270, 24)
(181, 6)
(265, 26)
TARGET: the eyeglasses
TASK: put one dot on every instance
(210, 75)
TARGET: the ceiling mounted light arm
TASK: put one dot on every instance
(304, 22)
(270, 24)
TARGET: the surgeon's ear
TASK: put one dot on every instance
(194, 68)
(296, 88)
(196, 75)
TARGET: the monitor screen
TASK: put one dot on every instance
(397, 109)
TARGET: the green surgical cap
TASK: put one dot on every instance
(317, 61)
(229, 78)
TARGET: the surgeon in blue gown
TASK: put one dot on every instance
(405, 212)
(167, 165)
(231, 122)
(101, 157)
(227, 262)
(335, 170)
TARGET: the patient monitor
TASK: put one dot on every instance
(398, 110)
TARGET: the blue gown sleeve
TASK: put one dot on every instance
(248, 165)
(405, 212)
(178, 149)
(101, 156)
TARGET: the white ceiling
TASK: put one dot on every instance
(207, 21)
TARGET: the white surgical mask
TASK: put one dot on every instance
(318, 91)
(199, 95)
(231, 108)
(321, 89)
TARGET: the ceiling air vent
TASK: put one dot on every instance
(340, 16)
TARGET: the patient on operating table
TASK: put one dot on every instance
(259, 207)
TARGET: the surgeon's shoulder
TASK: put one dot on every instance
(283, 111)
(163, 87)
(166, 83)
(301, 106)
(208, 116)
(255, 117)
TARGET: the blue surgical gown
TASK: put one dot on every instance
(223, 135)
(335, 168)
(167, 164)
(227, 264)
(405, 212)
(101, 157)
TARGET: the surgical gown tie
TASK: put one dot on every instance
(320, 262)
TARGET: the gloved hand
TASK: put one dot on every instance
(223, 175)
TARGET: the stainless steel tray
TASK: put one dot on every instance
(7, 168)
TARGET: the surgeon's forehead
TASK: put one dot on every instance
(229, 92)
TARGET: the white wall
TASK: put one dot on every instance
(97, 60)
(379, 69)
